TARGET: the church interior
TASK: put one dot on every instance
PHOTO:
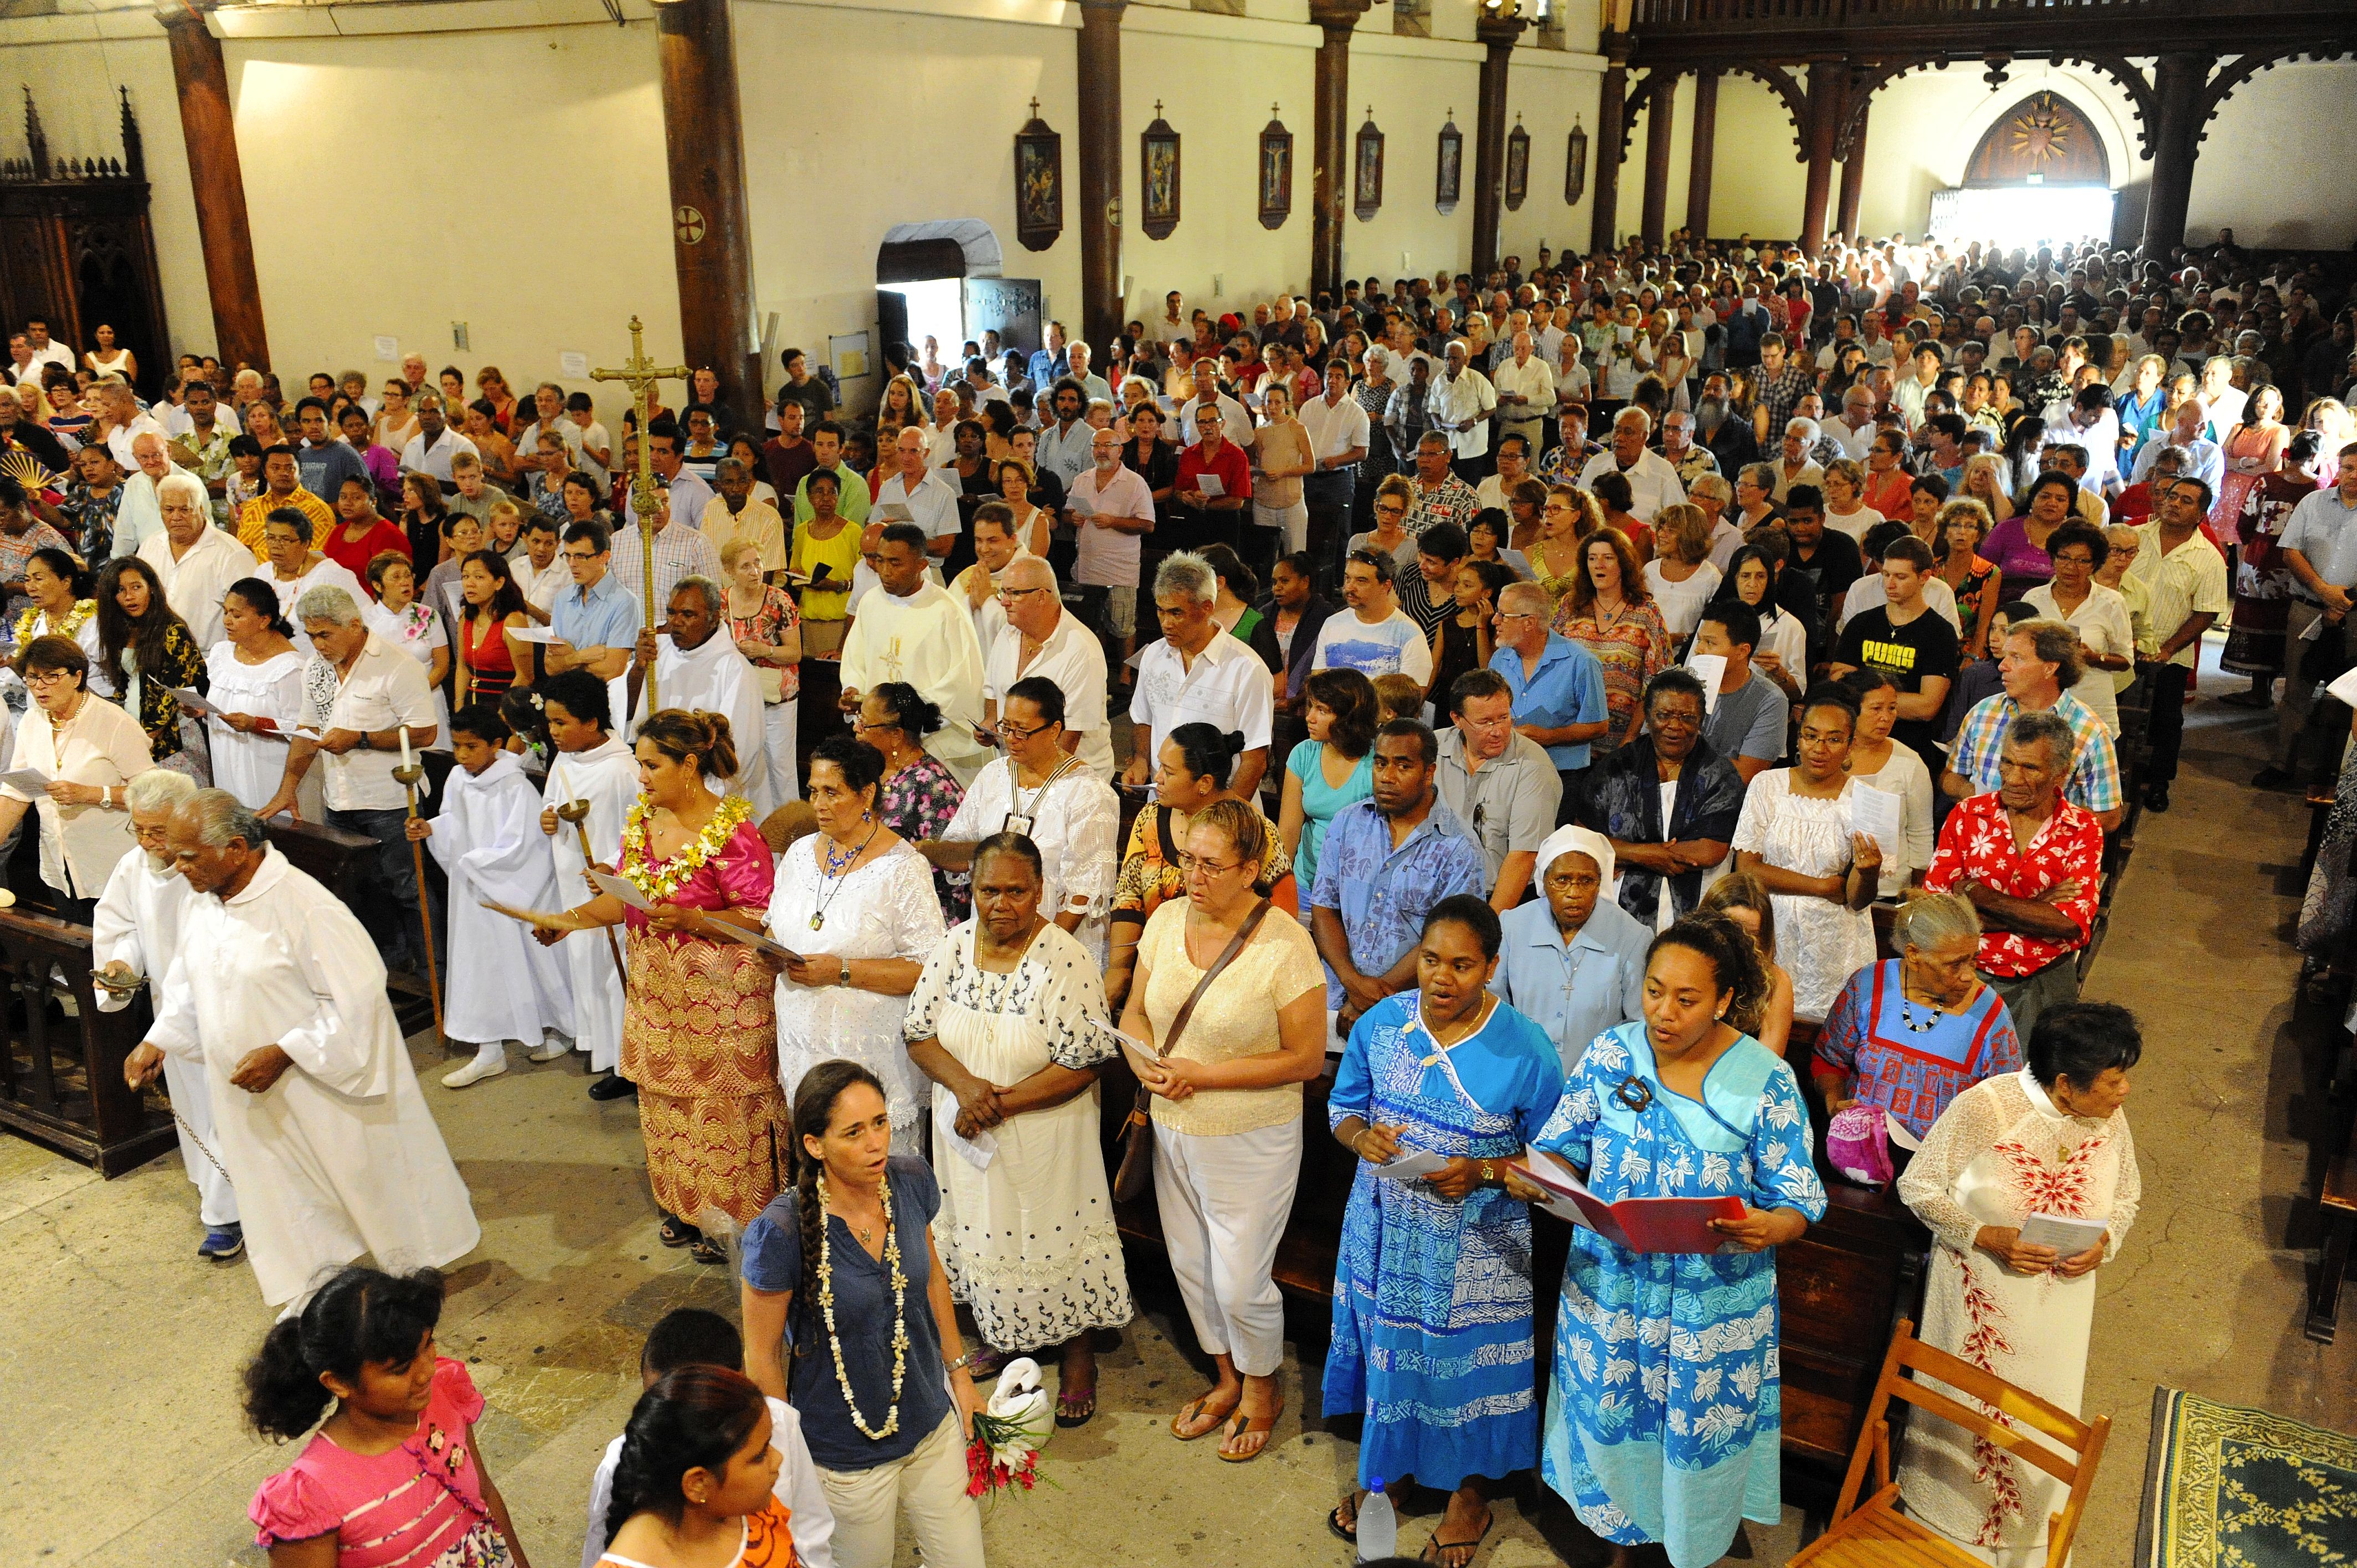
(573, 192)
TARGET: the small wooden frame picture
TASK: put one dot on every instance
(1275, 173)
(1039, 183)
(1449, 171)
(1367, 170)
(1517, 166)
(1158, 174)
(1574, 165)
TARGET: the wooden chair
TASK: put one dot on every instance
(1873, 1534)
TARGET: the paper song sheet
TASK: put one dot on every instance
(1876, 814)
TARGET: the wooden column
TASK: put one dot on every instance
(712, 240)
(1827, 79)
(1661, 119)
(1611, 133)
(219, 184)
(1331, 141)
(1099, 48)
(2177, 83)
(1497, 33)
(1852, 183)
(1706, 149)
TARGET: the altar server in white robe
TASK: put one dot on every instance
(912, 629)
(134, 933)
(279, 991)
(502, 985)
(697, 667)
(591, 764)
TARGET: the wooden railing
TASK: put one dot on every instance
(1656, 16)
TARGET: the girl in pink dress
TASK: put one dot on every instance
(392, 1476)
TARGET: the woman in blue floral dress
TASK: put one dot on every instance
(1432, 1288)
(1663, 1420)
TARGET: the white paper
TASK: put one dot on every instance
(627, 891)
(2344, 690)
(26, 780)
(2315, 630)
(388, 349)
(1711, 669)
(536, 634)
(1557, 1180)
(189, 699)
(2068, 1236)
(893, 512)
(457, 601)
(1414, 1165)
(1143, 1048)
(1876, 814)
(759, 941)
(1210, 487)
(977, 1150)
(573, 365)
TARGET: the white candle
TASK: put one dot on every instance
(405, 748)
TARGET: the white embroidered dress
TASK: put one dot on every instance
(1074, 820)
(1819, 942)
(2000, 1152)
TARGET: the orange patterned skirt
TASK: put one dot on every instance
(700, 1039)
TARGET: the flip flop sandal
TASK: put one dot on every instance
(1076, 1409)
(1241, 1425)
(1193, 1410)
(676, 1232)
(987, 1363)
(1334, 1521)
(705, 1250)
(1472, 1549)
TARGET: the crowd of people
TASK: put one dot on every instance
(1556, 797)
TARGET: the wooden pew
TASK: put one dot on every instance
(61, 1078)
(2336, 1204)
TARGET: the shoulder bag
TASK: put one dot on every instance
(1136, 1172)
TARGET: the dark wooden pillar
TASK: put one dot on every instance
(1661, 119)
(2177, 83)
(219, 182)
(1611, 135)
(712, 240)
(1100, 189)
(1706, 149)
(1853, 183)
(1828, 80)
(1497, 33)
(1330, 141)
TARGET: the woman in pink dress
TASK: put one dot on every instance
(699, 1022)
(2252, 448)
(393, 1475)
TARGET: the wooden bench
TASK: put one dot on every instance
(2336, 1203)
(62, 1077)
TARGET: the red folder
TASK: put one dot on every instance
(1639, 1224)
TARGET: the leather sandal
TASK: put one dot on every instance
(1241, 1425)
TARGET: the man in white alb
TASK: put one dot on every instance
(912, 629)
(697, 667)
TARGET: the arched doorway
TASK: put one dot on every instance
(2038, 174)
(941, 280)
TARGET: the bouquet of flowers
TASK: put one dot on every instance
(1009, 1432)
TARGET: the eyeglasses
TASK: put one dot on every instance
(1574, 882)
(1012, 731)
(45, 677)
(1192, 865)
(1019, 592)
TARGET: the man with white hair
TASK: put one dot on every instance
(134, 934)
(139, 515)
(1460, 404)
(1794, 467)
(1197, 674)
(1525, 387)
(120, 421)
(1038, 638)
(1653, 483)
(697, 667)
(383, 708)
(277, 997)
(196, 561)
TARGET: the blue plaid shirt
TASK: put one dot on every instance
(2094, 781)
(1384, 894)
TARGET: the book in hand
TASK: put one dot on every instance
(1639, 1224)
(190, 700)
(759, 941)
(2068, 1236)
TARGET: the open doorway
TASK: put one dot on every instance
(2023, 216)
(941, 281)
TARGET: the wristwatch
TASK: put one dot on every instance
(843, 977)
(1489, 1172)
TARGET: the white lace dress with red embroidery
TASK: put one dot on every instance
(2000, 1152)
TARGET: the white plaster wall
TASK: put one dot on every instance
(74, 65)
(1549, 87)
(1755, 186)
(2274, 168)
(1416, 87)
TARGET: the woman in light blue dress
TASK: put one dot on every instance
(1340, 712)
(1432, 1287)
(1663, 1420)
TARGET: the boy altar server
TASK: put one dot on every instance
(591, 764)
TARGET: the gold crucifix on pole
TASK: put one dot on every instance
(639, 374)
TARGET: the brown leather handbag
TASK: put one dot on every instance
(1136, 1172)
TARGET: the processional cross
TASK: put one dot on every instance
(641, 375)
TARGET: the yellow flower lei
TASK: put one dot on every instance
(637, 860)
(76, 618)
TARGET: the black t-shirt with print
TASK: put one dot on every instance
(1926, 646)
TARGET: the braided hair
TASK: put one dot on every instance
(814, 1100)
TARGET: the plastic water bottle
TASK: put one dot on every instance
(1378, 1525)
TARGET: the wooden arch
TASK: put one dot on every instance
(2045, 138)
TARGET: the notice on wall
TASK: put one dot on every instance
(389, 349)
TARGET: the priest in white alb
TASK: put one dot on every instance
(501, 984)
(277, 990)
(134, 934)
(912, 629)
(592, 767)
(697, 667)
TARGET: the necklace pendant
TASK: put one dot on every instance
(818, 920)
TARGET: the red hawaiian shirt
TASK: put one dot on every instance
(1976, 844)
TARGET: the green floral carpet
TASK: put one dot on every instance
(2229, 1488)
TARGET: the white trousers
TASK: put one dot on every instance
(192, 1098)
(1293, 520)
(1224, 1202)
(930, 1483)
(778, 729)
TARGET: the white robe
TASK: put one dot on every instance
(339, 1157)
(502, 985)
(138, 921)
(607, 776)
(716, 678)
(928, 640)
